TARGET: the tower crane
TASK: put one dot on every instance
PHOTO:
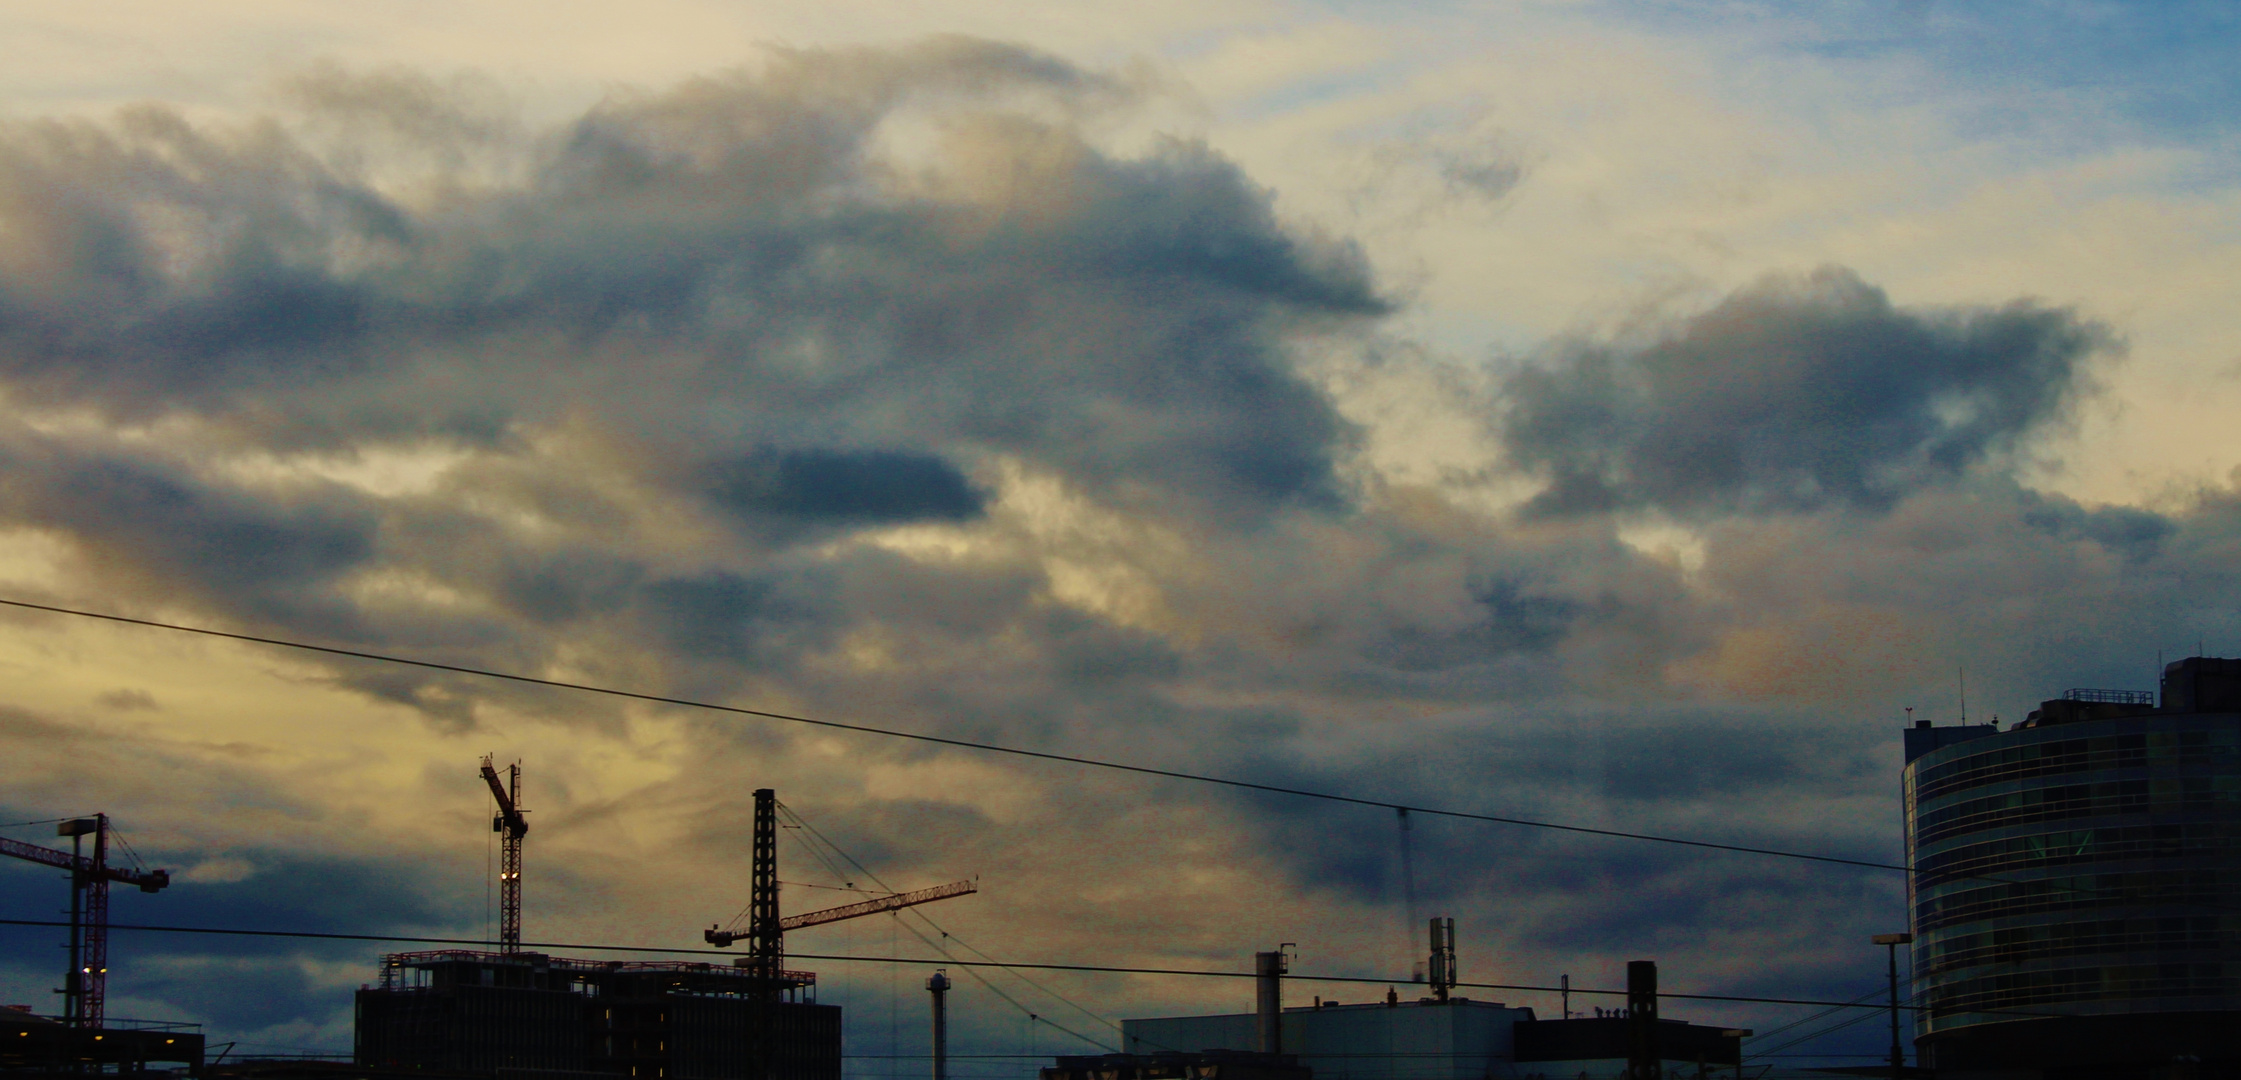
(511, 827)
(765, 932)
(85, 987)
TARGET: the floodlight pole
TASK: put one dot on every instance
(1891, 943)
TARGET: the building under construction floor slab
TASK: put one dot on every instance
(700, 1020)
(501, 1014)
(33, 1046)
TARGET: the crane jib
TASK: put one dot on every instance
(146, 880)
(874, 907)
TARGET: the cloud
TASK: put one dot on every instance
(742, 261)
(738, 318)
(1794, 393)
(858, 486)
(143, 519)
(877, 385)
(124, 699)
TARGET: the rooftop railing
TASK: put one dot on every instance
(2109, 697)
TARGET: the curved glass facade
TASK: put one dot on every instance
(2086, 863)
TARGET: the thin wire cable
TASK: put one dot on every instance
(999, 991)
(835, 888)
(1042, 755)
(1771, 1032)
(964, 744)
(116, 836)
(875, 879)
(1823, 1032)
(1116, 969)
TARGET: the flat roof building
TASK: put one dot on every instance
(1453, 1038)
(2076, 896)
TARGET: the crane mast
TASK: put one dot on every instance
(85, 987)
(511, 827)
(768, 948)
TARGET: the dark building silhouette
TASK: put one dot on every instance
(521, 1015)
(2077, 891)
(47, 1046)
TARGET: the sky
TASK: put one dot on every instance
(1602, 413)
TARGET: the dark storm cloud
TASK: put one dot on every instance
(731, 260)
(849, 486)
(737, 271)
(255, 554)
(1793, 394)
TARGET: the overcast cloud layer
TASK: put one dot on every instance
(912, 386)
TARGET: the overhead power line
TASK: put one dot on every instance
(1114, 969)
(994, 748)
(963, 744)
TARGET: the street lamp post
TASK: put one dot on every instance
(1891, 943)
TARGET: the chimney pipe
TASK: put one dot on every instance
(1268, 1001)
(1642, 1060)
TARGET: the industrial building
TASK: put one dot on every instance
(2074, 901)
(1445, 1037)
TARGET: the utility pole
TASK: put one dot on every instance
(938, 985)
(1891, 943)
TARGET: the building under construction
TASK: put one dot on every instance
(522, 1012)
(515, 1013)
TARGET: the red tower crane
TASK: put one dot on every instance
(511, 827)
(85, 987)
(765, 932)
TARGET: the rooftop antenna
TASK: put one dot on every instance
(1964, 670)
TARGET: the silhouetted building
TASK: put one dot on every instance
(2077, 891)
(1456, 1039)
(45, 1046)
(517, 1015)
(1597, 1046)
(1168, 1065)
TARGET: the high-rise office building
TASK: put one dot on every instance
(2077, 890)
